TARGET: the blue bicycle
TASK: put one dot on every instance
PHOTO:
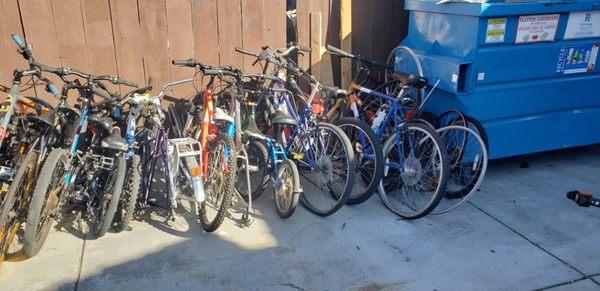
(322, 152)
(416, 164)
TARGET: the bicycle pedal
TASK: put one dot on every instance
(297, 156)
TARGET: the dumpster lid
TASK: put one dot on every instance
(501, 7)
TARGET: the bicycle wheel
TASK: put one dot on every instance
(368, 158)
(104, 211)
(468, 163)
(45, 201)
(14, 206)
(258, 167)
(219, 182)
(416, 171)
(129, 196)
(405, 60)
(288, 191)
(451, 117)
(327, 169)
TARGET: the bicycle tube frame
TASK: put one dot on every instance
(13, 96)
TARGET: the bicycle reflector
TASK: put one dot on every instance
(195, 171)
(410, 114)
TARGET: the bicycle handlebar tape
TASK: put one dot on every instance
(19, 41)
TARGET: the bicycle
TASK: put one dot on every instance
(264, 164)
(180, 158)
(323, 153)
(213, 128)
(88, 177)
(38, 135)
(416, 167)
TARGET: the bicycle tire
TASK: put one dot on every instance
(129, 196)
(440, 161)
(228, 188)
(370, 177)
(25, 173)
(291, 185)
(106, 218)
(258, 156)
(36, 234)
(340, 198)
(471, 158)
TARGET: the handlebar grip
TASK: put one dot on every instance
(228, 80)
(304, 48)
(339, 51)
(102, 94)
(246, 52)
(52, 89)
(210, 72)
(130, 84)
(185, 63)
(293, 69)
(19, 41)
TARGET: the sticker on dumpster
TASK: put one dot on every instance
(578, 59)
(496, 29)
(583, 24)
(537, 28)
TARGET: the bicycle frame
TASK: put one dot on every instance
(171, 148)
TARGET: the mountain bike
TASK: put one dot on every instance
(39, 134)
(416, 164)
(88, 177)
(322, 152)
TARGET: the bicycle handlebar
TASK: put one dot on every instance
(344, 54)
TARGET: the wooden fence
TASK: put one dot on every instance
(136, 39)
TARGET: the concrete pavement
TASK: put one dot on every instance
(518, 233)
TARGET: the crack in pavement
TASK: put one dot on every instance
(584, 276)
(80, 266)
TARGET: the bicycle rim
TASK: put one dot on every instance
(415, 171)
(468, 159)
(330, 176)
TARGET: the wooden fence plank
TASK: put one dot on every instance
(275, 23)
(346, 41)
(38, 24)
(153, 25)
(181, 42)
(303, 29)
(230, 32)
(128, 41)
(253, 26)
(315, 42)
(71, 39)
(98, 31)
(11, 24)
(206, 39)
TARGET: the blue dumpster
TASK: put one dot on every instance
(525, 71)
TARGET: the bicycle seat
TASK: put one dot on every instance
(102, 121)
(114, 141)
(220, 115)
(40, 122)
(417, 82)
(284, 119)
(411, 80)
(254, 135)
(335, 92)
